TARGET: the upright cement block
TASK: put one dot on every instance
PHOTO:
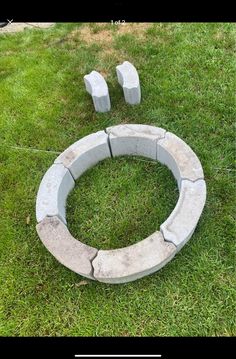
(65, 248)
(133, 262)
(134, 139)
(128, 78)
(179, 158)
(96, 86)
(53, 191)
(180, 225)
(85, 153)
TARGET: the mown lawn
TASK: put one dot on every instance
(187, 74)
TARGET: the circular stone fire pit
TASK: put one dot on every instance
(147, 256)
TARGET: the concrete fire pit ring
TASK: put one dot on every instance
(142, 258)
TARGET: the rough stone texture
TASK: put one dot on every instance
(128, 78)
(53, 191)
(96, 86)
(180, 225)
(66, 249)
(134, 139)
(85, 153)
(133, 262)
(20, 26)
(41, 25)
(179, 158)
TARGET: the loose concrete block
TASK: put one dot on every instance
(180, 225)
(53, 191)
(128, 78)
(140, 140)
(97, 87)
(133, 262)
(85, 153)
(179, 158)
(66, 249)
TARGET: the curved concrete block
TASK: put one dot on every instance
(128, 78)
(140, 140)
(85, 153)
(66, 249)
(133, 262)
(179, 158)
(97, 87)
(180, 225)
(53, 191)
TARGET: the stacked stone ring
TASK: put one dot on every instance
(142, 258)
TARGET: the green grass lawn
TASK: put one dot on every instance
(187, 74)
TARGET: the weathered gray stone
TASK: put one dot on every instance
(133, 262)
(13, 27)
(53, 191)
(179, 158)
(180, 225)
(66, 249)
(140, 140)
(145, 257)
(85, 153)
(128, 78)
(97, 87)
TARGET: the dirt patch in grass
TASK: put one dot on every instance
(87, 35)
(103, 72)
(219, 35)
(110, 55)
(137, 29)
(104, 33)
(92, 33)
